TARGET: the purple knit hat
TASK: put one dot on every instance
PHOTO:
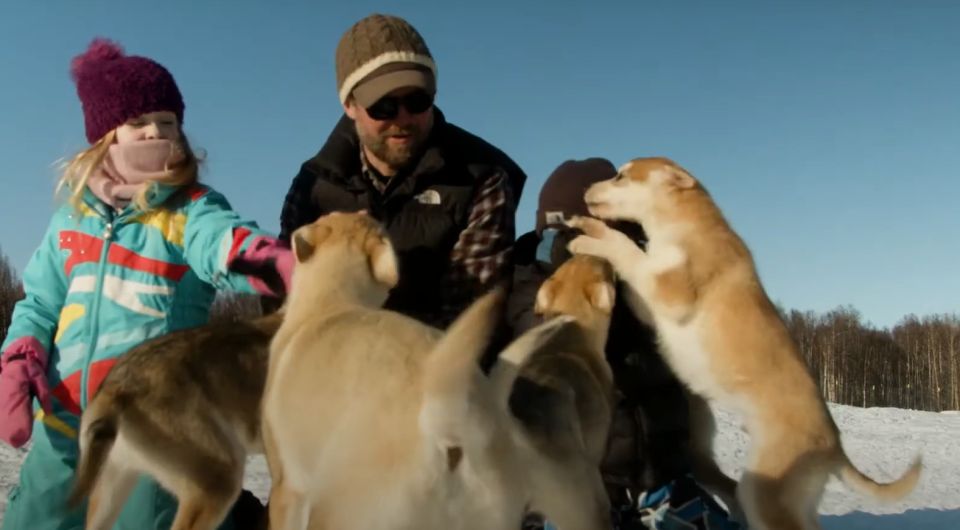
(114, 87)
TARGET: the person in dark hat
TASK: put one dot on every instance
(647, 467)
(446, 197)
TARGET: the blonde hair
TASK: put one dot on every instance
(77, 171)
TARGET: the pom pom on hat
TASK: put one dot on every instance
(100, 50)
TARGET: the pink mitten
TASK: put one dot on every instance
(22, 376)
(269, 263)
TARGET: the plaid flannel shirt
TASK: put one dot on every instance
(481, 255)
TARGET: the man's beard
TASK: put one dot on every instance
(395, 156)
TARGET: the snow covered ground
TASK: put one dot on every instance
(881, 441)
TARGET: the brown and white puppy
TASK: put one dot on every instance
(565, 393)
(372, 419)
(184, 409)
(697, 284)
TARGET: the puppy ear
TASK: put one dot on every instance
(680, 178)
(302, 243)
(545, 297)
(601, 295)
(382, 260)
(306, 239)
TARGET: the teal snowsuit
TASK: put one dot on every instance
(101, 282)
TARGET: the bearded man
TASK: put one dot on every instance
(446, 197)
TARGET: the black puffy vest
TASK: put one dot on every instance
(422, 230)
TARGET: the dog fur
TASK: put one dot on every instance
(372, 419)
(564, 395)
(696, 282)
(568, 383)
(184, 409)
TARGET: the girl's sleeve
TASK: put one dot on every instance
(232, 253)
(36, 315)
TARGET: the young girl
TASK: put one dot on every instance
(139, 250)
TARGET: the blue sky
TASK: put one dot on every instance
(829, 134)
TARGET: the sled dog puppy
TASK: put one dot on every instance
(571, 372)
(696, 282)
(184, 409)
(564, 395)
(374, 420)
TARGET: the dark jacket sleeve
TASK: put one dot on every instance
(526, 282)
(527, 278)
(299, 207)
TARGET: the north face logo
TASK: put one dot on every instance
(428, 197)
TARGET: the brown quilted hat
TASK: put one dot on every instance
(379, 54)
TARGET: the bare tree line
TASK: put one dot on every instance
(914, 365)
(10, 291)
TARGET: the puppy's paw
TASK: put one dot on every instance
(588, 225)
(589, 246)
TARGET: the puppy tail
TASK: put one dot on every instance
(512, 358)
(452, 374)
(890, 491)
(99, 431)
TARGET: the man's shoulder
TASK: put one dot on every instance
(458, 141)
(339, 154)
(453, 135)
(476, 152)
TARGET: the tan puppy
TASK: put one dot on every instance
(374, 420)
(184, 409)
(583, 287)
(564, 395)
(697, 283)
(571, 374)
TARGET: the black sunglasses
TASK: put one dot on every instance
(387, 107)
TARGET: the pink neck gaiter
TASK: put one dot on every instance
(128, 167)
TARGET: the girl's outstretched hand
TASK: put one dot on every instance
(269, 263)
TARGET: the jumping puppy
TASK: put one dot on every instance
(184, 409)
(374, 420)
(697, 284)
